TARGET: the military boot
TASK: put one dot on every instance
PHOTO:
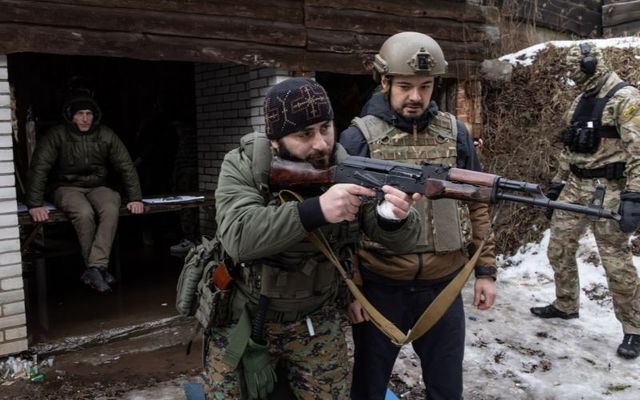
(106, 275)
(551, 312)
(630, 346)
(93, 278)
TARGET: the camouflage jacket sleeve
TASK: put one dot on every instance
(628, 119)
(562, 174)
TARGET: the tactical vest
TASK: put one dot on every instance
(301, 279)
(586, 130)
(447, 226)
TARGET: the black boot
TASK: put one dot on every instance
(551, 312)
(106, 275)
(93, 278)
(630, 346)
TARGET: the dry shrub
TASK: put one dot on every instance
(522, 121)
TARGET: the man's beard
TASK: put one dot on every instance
(317, 159)
(412, 115)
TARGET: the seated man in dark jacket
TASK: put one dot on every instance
(76, 157)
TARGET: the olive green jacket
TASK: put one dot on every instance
(65, 157)
(252, 228)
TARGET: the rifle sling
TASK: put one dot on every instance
(431, 315)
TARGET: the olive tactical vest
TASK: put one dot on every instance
(301, 279)
(446, 221)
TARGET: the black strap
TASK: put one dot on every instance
(590, 108)
(610, 171)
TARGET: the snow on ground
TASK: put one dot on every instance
(526, 56)
(510, 354)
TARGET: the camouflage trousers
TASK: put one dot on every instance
(317, 367)
(613, 247)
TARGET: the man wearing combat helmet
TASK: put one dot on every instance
(402, 123)
(601, 150)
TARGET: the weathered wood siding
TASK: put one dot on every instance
(620, 18)
(580, 17)
(299, 35)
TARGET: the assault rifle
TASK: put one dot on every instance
(434, 181)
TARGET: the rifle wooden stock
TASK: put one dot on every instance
(287, 174)
(473, 177)
(438, 189)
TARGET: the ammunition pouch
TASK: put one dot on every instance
(580, 139)
(214, 304)
(611, 171)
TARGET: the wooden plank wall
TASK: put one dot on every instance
(580, 17)
(620, 18)
(299, 35)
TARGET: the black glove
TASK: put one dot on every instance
(553, 193)
(630, 211)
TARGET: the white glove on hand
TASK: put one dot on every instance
(385, 210)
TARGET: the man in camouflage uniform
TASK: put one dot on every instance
(281, 277)
(602, 147)
(402, 123)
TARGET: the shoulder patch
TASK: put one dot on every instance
(630, 111)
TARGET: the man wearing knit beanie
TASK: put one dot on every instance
(70, 165)
(285, 291)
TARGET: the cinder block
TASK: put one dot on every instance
(13, 308)
(5, 127)
(12, 321)
(8, 220)
(10, 232)
(8, 206)
(9, 245)
(7, 180)
(5, 113)
(6, 154)
(10, 270)
(13, 347)
(11, 296)
(5, 100)
(4, 87)
(7, 193)
(11, 283)
(16, 333)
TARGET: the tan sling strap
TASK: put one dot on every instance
(431, 315)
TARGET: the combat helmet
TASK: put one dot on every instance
(409, 53)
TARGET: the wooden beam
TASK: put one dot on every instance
(351, 42)
(162, 23)
(626, 29)
(619, 13)
(41, 39)
(582, 18)
(458, 11)
(365, 22)
(274, 10)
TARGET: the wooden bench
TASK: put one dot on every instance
(203, 200)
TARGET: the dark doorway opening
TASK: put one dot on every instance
(150, 105)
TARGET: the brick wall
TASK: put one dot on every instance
(13, 329)
(229, 102)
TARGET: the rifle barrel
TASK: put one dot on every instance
(546, 202)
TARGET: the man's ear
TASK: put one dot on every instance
(275, 144)
(384, 82)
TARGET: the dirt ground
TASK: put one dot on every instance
(149, 366)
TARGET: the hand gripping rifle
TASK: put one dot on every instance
(434, 181)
